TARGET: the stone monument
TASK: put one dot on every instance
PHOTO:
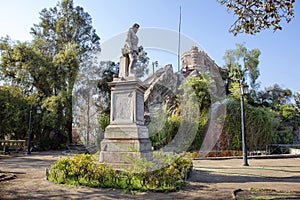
(126, 135)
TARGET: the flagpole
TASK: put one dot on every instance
(179, 30)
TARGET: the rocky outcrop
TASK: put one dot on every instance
(162, 85)
(163, 88)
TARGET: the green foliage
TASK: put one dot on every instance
(297, 101)
(65, 36)
(53, 112)
(104, 120)
(242, 63)
(141, 68)
(200, 86)
(188, 122)
(14, 112)
(285, 124)
(48, 65)
(196, 91)
(108, 71)
(277, 95)
(83, 170)
(166, 172)
(64, 24)
(20, 63)
(254, 16)
(270, 118)
(259, 126)
(283, 135)
(162, 134)
(235, 90)
(200, 134)
(285, 114)
(287, 111)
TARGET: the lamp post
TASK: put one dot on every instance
(244, 90)
(154, 64)
(28, 152)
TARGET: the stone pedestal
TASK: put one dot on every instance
(126, 133)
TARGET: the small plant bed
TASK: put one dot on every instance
(164, 173)
(226, 153)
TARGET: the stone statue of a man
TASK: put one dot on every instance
(130, 51)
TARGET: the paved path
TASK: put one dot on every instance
(273, 174)
(211, 179)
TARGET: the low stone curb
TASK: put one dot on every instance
(274, 156)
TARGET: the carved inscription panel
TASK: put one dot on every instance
(122, 107)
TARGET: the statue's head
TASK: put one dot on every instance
(136, 26)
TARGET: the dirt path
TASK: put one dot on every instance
(210, 180)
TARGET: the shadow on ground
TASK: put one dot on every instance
(211, 177)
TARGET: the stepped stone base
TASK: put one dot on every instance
(126, 137)
(122, 142)
(121, 145)
(118, 158)
(126, 131)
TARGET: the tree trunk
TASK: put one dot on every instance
(69, 119)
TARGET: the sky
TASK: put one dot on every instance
(205, 22)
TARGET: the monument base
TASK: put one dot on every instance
(126, 138)
(119, 151)
(116, 154)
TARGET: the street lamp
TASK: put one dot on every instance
(39, 111)
(154, 64)
(244, 90)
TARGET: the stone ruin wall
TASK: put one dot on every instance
(200, 62)
(197, 60)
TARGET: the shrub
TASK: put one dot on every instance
(167, 133)
(259, 122)
(83, 170)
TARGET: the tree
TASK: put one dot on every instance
(69, 37)
(49, 64)
(254, 16)
(14, 110)
(277, 96)
(241, 64)
(141, 68)
(297, 101)
(109, 70)
(285, 115)
(201, 86)
(87, 103)
(65, 24)
(21, 65)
